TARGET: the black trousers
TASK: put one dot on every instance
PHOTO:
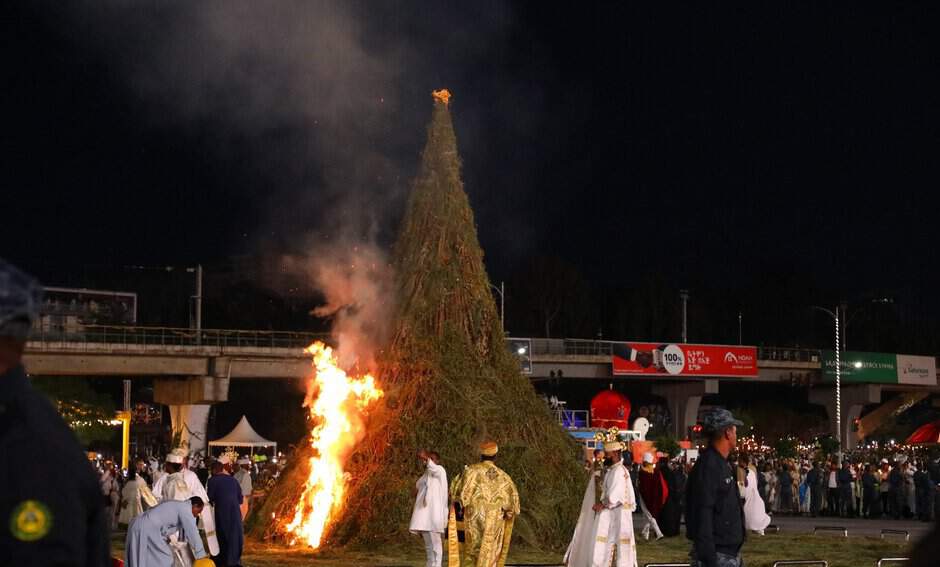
(868, 501)
(834, 501)
(816, 499)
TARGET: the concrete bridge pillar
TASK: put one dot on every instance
(854, 399)
(189, 400)
(683, 400)
(191, 421)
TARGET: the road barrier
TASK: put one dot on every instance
(817, 562)
(884, 560)
(905, 533)
(845, 531)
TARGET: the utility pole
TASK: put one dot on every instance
(125, 418)
(740, 333)
(197, 301)
(684, 295)
(835, 317)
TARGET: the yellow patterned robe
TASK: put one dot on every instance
(490, 502)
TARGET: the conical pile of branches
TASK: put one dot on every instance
(450, 381)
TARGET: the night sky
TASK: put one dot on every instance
(766, 157)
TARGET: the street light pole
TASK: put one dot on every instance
(835, 318)
(684, 295)
(846, 318)
(740, 333)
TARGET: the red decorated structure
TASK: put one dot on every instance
(925, 435)
(610, 409)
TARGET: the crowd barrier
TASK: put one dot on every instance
(845, 531)
(885, 560)
(905, 533)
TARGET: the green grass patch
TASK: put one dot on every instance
(758, 552)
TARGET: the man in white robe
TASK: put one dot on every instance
(181, 483)
(429, 517)
(133, 497)
(148, 537)
(755, 514)
(614, 544)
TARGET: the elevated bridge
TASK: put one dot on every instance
(192, 369)
(164, 351)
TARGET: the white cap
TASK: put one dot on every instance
(223, 458)
(884, 461)
(243, 461)
(648, 457)
(174, 458)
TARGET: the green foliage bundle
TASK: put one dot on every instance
(668, 445)
(786, 448)
(86, 412)
(828, 445)
(449, 381)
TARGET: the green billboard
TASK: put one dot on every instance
(868, 367)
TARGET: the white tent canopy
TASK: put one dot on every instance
(243, 435)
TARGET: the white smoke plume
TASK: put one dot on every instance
(297, 88)
(357, 283)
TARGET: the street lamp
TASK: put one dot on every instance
(835, 318)
(846, 318)
(684, 296)
(197, 299)
(501, 290)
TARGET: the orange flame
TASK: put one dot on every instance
(337, 412)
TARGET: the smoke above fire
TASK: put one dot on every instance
(356, 280)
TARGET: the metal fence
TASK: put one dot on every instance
(605, 348)
(174, 336)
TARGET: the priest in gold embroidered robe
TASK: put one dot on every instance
(614, 544)
(490, 503)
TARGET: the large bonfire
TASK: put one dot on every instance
(449, 382)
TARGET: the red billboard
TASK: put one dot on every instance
(684, 360)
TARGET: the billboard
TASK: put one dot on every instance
(66, 311)
(880, 368)
(90, 306)
(660, 359)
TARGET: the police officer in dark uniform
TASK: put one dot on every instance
(51, 510)
(714, 517)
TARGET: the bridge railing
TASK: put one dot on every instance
(174, 336)
(788, 354)
(605, 348)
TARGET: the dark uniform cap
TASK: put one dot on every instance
(718, 419)
(20, 297)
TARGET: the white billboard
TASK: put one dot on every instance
(917, 370)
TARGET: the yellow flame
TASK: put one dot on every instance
(337, 413)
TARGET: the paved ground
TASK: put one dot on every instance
(856, 527)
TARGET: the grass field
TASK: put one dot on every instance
(758, 552)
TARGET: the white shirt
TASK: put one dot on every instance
(833, 480)
(430, 511)
(617, 489)
(244, 480)
(175, 488)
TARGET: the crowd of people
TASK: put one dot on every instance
(861, 487)
(150, 497)
(60, 513)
